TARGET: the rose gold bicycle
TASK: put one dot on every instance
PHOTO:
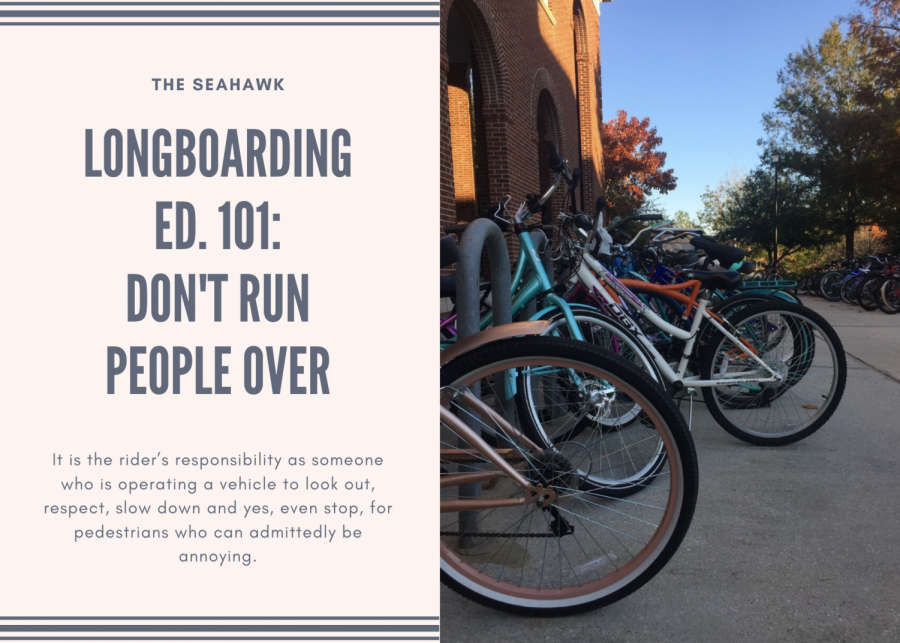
(528, 529)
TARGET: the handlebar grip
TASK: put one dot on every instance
(650, 217)
(554, 160)
(576, 178)
(582, 221)
(556, 163)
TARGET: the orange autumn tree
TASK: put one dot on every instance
(633, 164)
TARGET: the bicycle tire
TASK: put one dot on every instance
(807, 322)
(887, 296)
(593, 323)
(867, 291)
(466, 580)
(829, 286)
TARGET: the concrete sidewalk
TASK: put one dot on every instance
(870, 336)
(797, 543)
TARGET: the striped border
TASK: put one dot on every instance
(150, 13)
(219, 628)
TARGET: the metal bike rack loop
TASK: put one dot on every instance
(480, 235)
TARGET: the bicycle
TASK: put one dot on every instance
(525, 528)
(749, 366)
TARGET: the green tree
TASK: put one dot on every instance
(683, 219)
(877, 25)
(826, 134)
(718, 201)
(745, 214)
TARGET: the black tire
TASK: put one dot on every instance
(815, 283)
(830, 286)
(588, 321)
(654, 398)
(867, 291)
(795, 372)
(849, 292)
(887, 301)
(584, 317)
(726, 309)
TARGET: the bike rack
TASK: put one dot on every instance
(479, 235)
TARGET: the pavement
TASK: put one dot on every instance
(870, 336)
(795, 543)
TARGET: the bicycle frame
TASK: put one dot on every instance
(534, 493)
(604, 285)
(538, 282)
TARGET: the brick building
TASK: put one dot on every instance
(514, 72)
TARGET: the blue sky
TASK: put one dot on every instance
(704, 71)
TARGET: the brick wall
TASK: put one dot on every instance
(517, 57)
(461, 140)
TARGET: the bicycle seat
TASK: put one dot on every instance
(724, 279)
(449, 253)
(448, 285)
(726, 255)
(747, 268)
(681, 258)
(621, 236)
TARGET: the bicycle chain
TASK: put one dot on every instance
(496, 534)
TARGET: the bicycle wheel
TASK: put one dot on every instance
(541, 413)
(849, 292)
(585, 549)
(830, 284)
(801, 347)
(888, 296)
(867, 291)
(726, 309)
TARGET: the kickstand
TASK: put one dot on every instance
(691, 392)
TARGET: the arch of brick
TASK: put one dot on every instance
(543, 82)
(486, 173)
(545, 116)
(520, 48)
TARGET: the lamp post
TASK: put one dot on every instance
(776, 157)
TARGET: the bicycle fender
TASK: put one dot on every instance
(492, 334)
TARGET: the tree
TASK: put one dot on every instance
(633, 164)
(719, 200)
(826, 134)
(745, 213)
(683, 219)
(877, 26)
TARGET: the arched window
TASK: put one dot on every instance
(476, 86)
(474, 119)
(548, 132)
(464, 116)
